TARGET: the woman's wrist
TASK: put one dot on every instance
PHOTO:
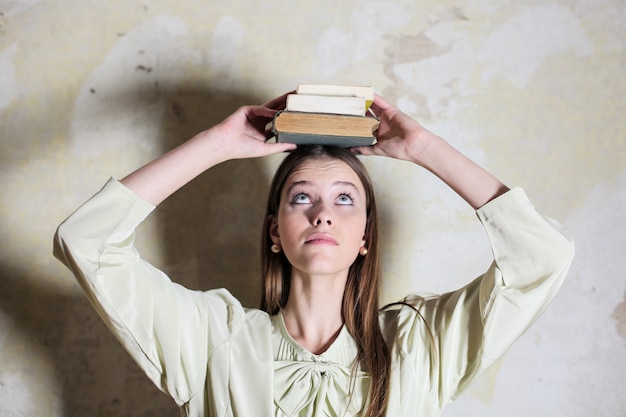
(209, 148)
(427, 149)
(472, 182)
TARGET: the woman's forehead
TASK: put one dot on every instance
(313, 170)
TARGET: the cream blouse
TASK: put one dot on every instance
(216, 358)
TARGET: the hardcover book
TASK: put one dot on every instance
(355, 106)
(328, 129)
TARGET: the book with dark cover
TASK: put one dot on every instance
(310, 139)
(327, 129)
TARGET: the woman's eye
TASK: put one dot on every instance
(301, 199)
(344, 199)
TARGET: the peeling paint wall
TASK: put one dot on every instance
(534, 91)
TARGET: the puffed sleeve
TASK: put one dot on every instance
(169, 330)
(444, 342)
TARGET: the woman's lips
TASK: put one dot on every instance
(321, 239)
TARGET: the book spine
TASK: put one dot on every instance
(325, 124)
(338, 90)
(334, 140)
(355, 106)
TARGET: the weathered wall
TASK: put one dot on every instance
(89, 89)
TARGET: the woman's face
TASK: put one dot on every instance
(321, 218)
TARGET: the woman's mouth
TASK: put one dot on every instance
(321, 239)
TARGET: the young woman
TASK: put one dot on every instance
(319, 345)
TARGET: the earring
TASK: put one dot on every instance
(275, 248)
(363, 251)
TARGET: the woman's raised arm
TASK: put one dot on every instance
(241, 135)
(401, 137)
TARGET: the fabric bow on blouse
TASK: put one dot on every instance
(307, 385)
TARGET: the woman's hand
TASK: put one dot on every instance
(398, 135)
(243, 134)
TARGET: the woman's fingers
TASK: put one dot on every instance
(380, 105)
(279, 102)
(367, 150)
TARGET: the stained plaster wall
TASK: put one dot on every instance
(533, 90)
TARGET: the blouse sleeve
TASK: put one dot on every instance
(169, 330)
(469, 329)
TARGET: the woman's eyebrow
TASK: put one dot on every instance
(347, 184)
(310, 183)
(297, 184)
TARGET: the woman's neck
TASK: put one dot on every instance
(313, 315)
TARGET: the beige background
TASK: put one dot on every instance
(533, 90)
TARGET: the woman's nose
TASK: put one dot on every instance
(322, 215)
(320, 221)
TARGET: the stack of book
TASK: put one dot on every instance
(327, 115)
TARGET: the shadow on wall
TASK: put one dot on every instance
(210, 235)
(211, 228)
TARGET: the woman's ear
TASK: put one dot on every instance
(273, 228)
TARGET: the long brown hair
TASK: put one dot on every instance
(361, 296)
